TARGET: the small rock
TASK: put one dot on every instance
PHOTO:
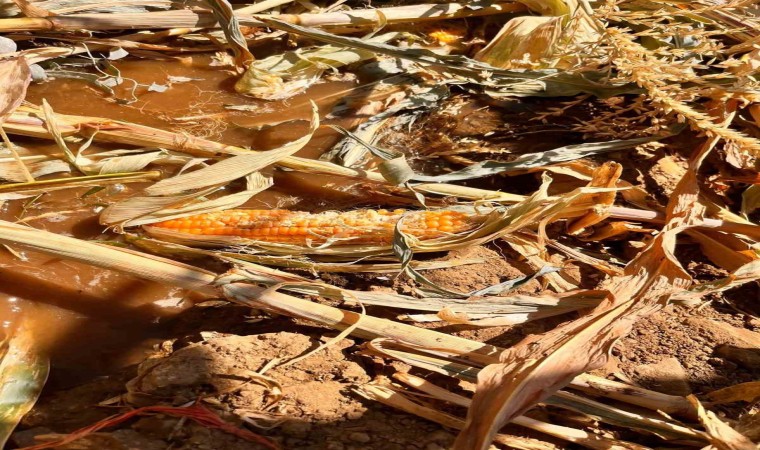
(747, 357)
(735, 344)
(359, 436)
(296, 428)
(38, 73)
(666, 376)
(440, 436)
(434, 446)
(354, 415)
(334, 445)
(715, 362)
(7, 45)
(293, 443)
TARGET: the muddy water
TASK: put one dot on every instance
(92, 321)
(88, 320)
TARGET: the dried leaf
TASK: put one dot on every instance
(587, 439)
(352, 150)
(225, 15)
(233, 168)
(130, 163)
(136, 207)
(742, 392)
(396, 170)
(399, 401)
(51, 122)
(523, 42)
(499, 81)
(12, 172)
(751, 200)
(723, 249)
(720, 434)
(284, 75)
(15, 76)
(605, 176)
(540, 365)
(256, 184)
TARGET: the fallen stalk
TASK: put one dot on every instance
(577, 436)
(185, 18)
(367, 327)
(27, 121)
(136, 40)
(89, 180)
(393, 398)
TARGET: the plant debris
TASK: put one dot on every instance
(536, 220)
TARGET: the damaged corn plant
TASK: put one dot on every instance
(489, 202)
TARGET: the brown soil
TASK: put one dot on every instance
(217, 353)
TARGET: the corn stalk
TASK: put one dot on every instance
(186, 18)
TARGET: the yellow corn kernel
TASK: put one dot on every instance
(296, 227)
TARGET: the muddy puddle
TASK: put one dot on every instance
(97, 325)
(92, 321)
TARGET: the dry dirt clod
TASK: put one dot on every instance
(666, 376)
(666, 173)
(736, 344)
(495, 269)
(359, 436)
(315, 388)
(747, 357)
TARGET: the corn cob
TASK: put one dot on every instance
(296, 227)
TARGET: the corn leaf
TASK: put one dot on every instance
(742, 392)
(225, 15)
(397, 171)
(720, 434)
(352, 150)
(751, 200)
(540, 365)
(232, 168)
(523, 42)
(23, 373)
(285, 75)
(16, 76)
(499, 81)
(256, 184)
